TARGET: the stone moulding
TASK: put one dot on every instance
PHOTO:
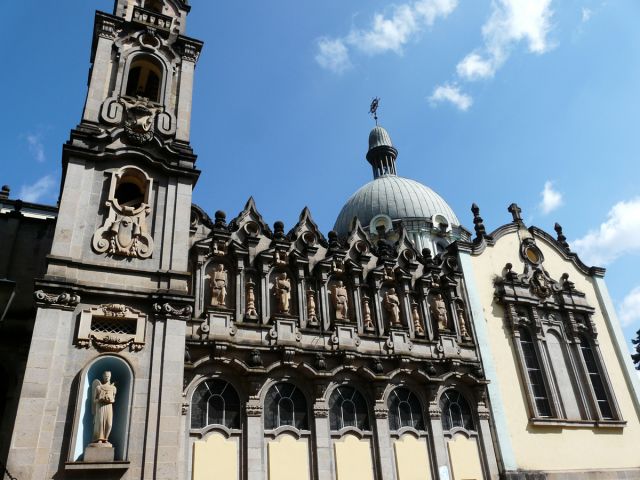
(176, 311)
(112, 328)
(64, 300)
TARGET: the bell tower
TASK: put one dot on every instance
(116, 293)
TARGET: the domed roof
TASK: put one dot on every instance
(397, 197)
(379, 137)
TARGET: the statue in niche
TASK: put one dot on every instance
(219, 286)
(462, 321)
(439, 311)
(251, 300)
(415, 316)
(282, 292)
(391, 304)
(103, 396)
(311, 308)
(340, 300)
(366, 313)
(280, 257)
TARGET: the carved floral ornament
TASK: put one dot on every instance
(124, 231)
(62, 300)
(111, 328)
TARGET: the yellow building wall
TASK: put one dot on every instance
(553, 448)
(412, 459)
(288, 458)
(464, 458)
(215, 458)
(353, 458)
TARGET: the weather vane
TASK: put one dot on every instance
(373, 109)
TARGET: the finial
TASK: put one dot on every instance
(515, 211)
(562, 240)
(373, 108)
(478, 223)
(4, 193)
(221, 219)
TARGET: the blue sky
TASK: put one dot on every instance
(492, 102)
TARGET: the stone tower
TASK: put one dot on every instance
(115, 293)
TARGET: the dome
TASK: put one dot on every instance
(379, 137)
(399, 198)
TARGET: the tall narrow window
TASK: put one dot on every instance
(456, 412)
(596, 379)
(285, 405)
(404, 410)
(536, 380)
(215, 402)
(347, 408)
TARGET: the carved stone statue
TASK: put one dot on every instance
(282, 292)
(415, 316)
(340, 300)
(251, 300)
(366, 314)
(439, 311)
(219, 286)
(103, 396)
(391, 304)
(461, 321)
(311, 308)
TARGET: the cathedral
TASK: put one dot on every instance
(144, 338)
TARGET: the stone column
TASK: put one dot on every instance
(383, 440)
(100, 71)
(439, 442)
(256, 467)
(322, 441)
(486, 440)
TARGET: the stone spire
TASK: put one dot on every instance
(381, 155)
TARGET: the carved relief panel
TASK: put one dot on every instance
(124, 232)
(112, 328)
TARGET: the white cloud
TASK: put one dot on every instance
(551, 199)
(452, 94)
(630, 308)
(42, 188)
(474, 67)
(617, 236)
(511, 21)
(36, 148)
(333, 55)
(586, 14)
(386, 33)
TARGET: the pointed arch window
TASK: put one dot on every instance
(404, 410)
(215, 402)
(456, 412)
(347, 408)
(285, 405)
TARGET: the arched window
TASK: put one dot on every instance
(404, 410)
(456, 412)
(347, 408)
(284, 405)
(596, 379)
(154, 5)
(534, 372)
(144, 78)
(215, 402)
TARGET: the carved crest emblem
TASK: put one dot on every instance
(139, 119)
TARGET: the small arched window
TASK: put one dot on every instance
(215, 402)
(144, 78)
(347, 408)
(285, 405)
(596, 379)
(456, 412)
(131, 190)
(404, 410)
(534, 372)
(154, 5)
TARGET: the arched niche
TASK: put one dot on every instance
(282, 280)
(122, 377)
(219, 282)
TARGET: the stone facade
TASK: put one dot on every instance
(395, 349)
